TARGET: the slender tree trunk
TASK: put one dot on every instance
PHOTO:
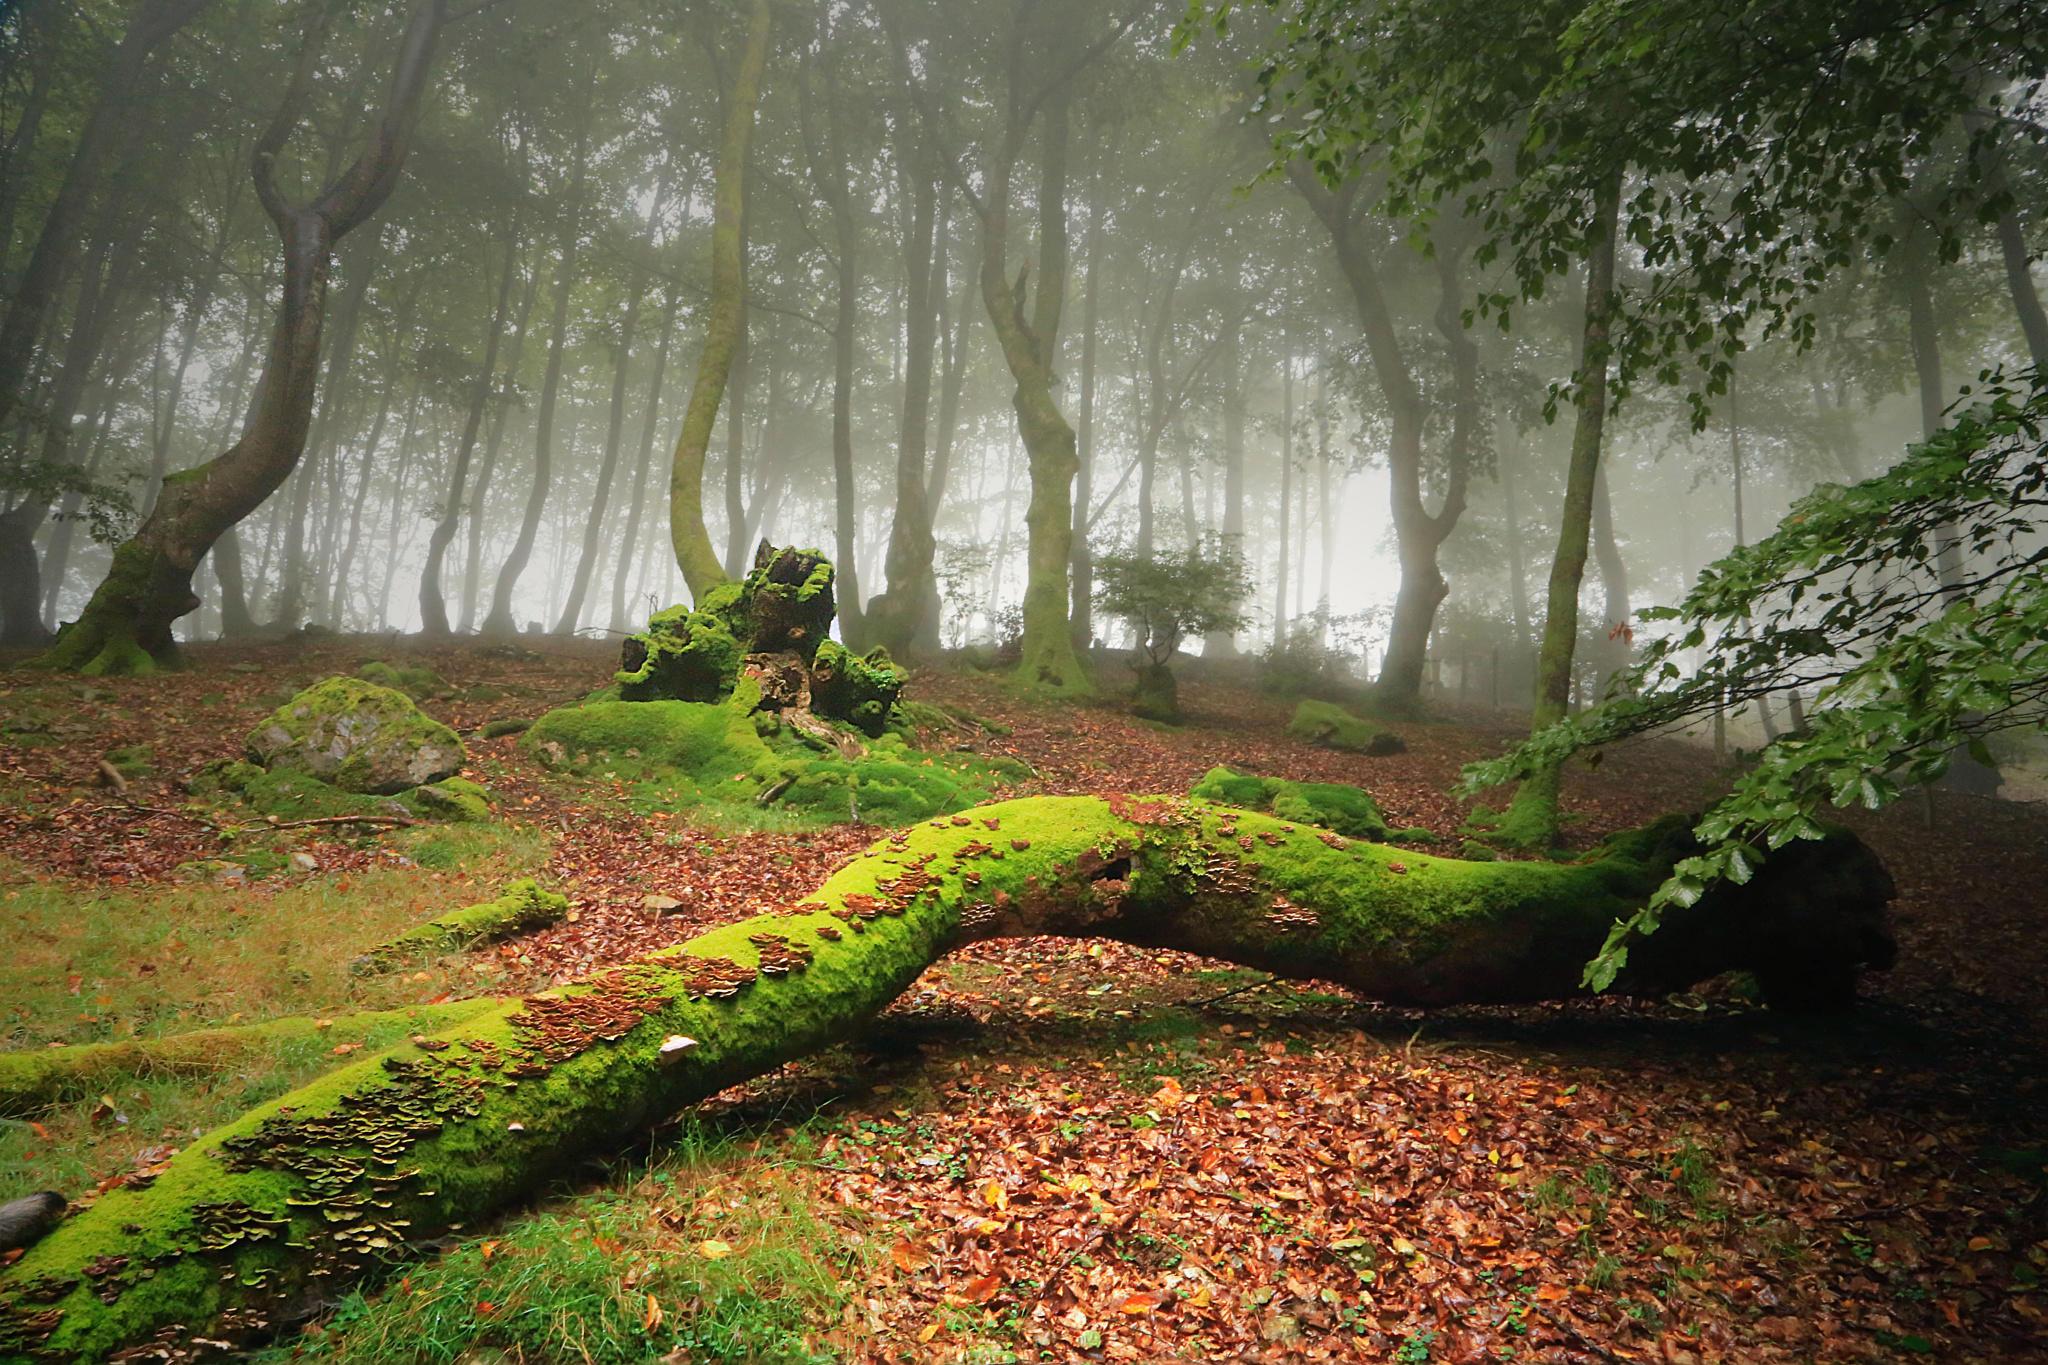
(906, 618)
(1226, 646)
(725, 317)
(1030, 348)
(952, 380)
(1616, 643)
(1418, 533)
(1286, 500)
(499, 621)
(112, 116)
(608, 465)
(738, 377)
(1532, 820)
(433, 608)
(629, 539)
(127, 625)
(1518, 583)
(1083, 610)
(335, 396)
(494, 442)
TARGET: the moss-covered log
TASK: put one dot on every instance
(334, 1181)
(34, 1081)
(524, 906)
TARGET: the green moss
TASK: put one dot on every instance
(522, 907)
(684, 654)
(136, 760)
(357, 736)
(1347, 810)
(34, 1081)
(860, 689)
(418, 682)
(1329, 726)
(454, 798)
(433, 1135)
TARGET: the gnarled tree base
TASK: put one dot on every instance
(334, 1181)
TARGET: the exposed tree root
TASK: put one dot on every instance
(331, 1183)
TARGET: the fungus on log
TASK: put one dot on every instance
(335, 1181)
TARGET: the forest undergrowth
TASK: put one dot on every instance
(1049, 1149)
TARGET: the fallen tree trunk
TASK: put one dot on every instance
(331, 1183)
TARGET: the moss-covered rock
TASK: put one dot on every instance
(452, 798)
(1347, 810)
(523, 906)
(358, 737)
(860, 689)
(1329, 726)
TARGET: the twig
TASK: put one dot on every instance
(401, 821)
(158, 810)
(1236, 990)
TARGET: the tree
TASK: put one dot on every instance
(1166, 597)
(1847, 599)
(724, 317)
(126, 628)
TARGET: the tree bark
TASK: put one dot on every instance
(498, 621)
(153, 24)
(1030, 348)
(1418, 533)
(488, 1109)
(1532, 819)
(630, 537)
(1083, 590)
(433, 606)
(906, 618)
(608, 466)
(725, 317)
(127, 625)
(494, 441)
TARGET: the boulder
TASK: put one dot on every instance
(358, 737)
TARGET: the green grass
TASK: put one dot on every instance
(580, 1281)
(79, 965)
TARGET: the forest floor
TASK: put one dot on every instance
(1050, 1150)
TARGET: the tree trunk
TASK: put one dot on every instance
(1286, 501)
(494, 442)
(725, 318)
(113, 115)
(491, 1107)
(1083, 591)
(1030, 348)
(586, 565)
(1615, 645)
(630, 537)
(906, 618)
(498, 621)
(335, 395)
(433, 606)
(127, 625)
(1225, 646)
(1532, 820)
(1418, 533)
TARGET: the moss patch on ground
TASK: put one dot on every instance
(1334, 806)
(677, 755)
(1329, 726)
